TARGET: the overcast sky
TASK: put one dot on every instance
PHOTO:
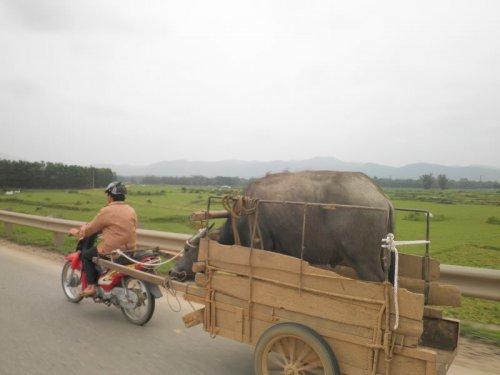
(137, 82)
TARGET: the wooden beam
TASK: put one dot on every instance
(204, 215)
(131, 271)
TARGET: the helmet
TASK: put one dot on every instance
(116, 188)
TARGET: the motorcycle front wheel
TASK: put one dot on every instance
(143, 311)
(71, 283)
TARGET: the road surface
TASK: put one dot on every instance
(41, 332)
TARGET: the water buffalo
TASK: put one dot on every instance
(351, 236)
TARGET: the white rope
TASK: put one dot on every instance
(390, 244)
(152, 263)
(405, 243)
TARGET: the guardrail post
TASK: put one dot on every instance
(59, 239)
(9, 229)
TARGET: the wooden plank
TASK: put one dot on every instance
(402, 365)
(238, 324)
(444, 295)
(433, 312)
(198, 267)
(354, 334)
(344, 311)
(285, 269)
(204, 215)
(190, 289)
(439, 294)
(352, 354)
(193, 318)
(131, 271)
(345, 332)
(200, 279)
(410, 265)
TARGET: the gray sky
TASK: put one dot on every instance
(137, 82)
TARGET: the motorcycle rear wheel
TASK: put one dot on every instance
(141, 314)
(68, 275)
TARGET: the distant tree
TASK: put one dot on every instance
(427, 180)
(443, 181)
(42, 175)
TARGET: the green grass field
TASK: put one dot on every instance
(465, 228)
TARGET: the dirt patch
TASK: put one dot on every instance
(477, 357)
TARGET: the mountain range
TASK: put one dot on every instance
(248, 169)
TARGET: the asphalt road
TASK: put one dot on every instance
(42, 333)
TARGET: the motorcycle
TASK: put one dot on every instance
(135, 298)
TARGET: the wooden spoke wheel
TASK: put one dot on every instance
(293, 349)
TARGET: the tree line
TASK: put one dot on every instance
(429, 181)
(191, 180)
(44, 175)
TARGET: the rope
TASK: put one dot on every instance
(152, 263)
(238, 207)
(391, 245)
(173, 292)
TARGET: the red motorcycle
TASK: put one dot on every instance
(135, 298)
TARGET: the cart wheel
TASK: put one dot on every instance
(293, 349)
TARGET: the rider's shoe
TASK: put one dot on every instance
(89, 291)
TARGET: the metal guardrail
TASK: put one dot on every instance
(170, 242)
(472, 282)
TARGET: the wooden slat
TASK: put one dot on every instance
(433, 312)
(193, 318)
(200, 279)
(285, 269)
(410, 265)
(439, 294)
(336, 309)
(204, 215)
(130, 271)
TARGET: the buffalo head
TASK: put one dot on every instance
(183, 268)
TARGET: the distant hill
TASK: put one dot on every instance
(248, 169)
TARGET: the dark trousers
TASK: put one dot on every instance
(88, 266)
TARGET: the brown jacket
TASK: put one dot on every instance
(117, 221)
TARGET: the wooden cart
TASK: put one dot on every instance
(310, 320)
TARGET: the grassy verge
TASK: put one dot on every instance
(479, 332)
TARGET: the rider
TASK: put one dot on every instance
(117, 222)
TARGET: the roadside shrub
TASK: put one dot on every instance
(445, 201)
(416, 216)
(493, 220)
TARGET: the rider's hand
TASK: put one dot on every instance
(74, 232)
